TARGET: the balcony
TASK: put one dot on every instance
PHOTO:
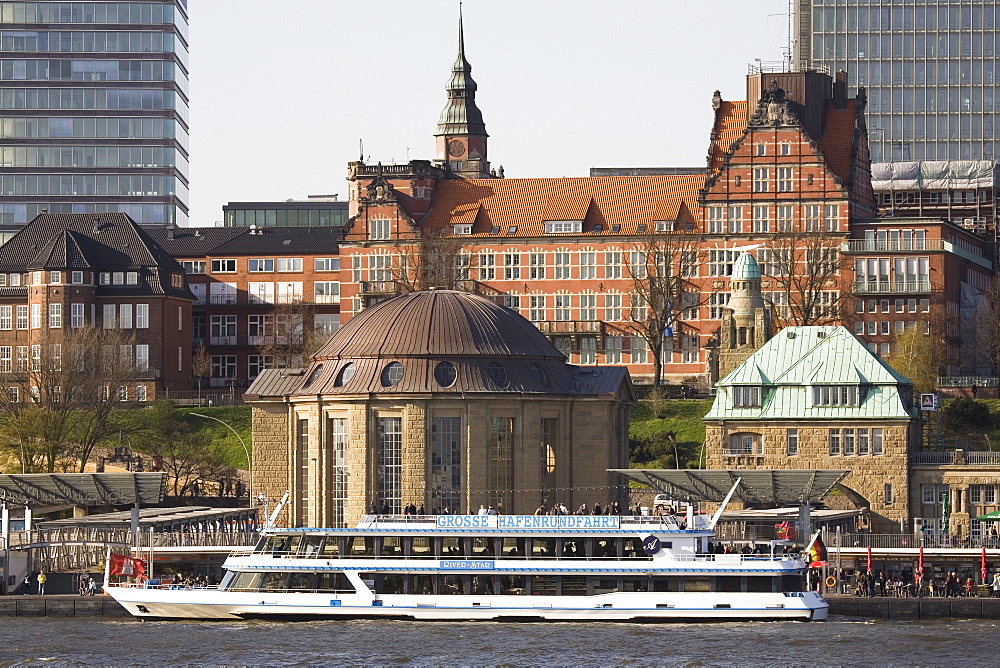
(378, 287)
(569, 326)
(149, 373)
(239, 383)
(891, 287)
(223, 300)
(885, 245)
(222, 340)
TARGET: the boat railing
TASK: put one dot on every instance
(733, 558)
(157, 584)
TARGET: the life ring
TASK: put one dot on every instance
(831, 581)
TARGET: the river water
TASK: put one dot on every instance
(841, 641)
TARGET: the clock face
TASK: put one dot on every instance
(456, 148)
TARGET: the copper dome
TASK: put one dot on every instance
(438, 323)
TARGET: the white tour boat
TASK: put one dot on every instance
(495, 567)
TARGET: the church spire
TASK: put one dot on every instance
(461, 132)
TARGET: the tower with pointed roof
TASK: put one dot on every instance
(461, 132)
(746, 323)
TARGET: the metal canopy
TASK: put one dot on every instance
(772, 487)
(82, 489)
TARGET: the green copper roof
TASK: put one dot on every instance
(795, 360)
(745, 268)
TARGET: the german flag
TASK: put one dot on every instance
(817, 553)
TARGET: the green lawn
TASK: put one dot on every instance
(236, 416)
(648, 442)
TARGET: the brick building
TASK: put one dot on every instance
(264, 297)
(604, 265)
(442, 399)
(67, 271)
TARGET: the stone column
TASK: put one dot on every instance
(360, 462)
(416, 441)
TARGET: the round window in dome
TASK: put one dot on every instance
(315, 374)
(445, 374)
(346, 373)
(497, 374)
(392, 374)
(538, 373)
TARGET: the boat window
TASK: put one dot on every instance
(694, 583)
(274, 544)
(512, 585)
(757, 583)
(390, 583)
(421, 584)
(273, 582)
(301, 581)
(361, 546)
(310, 547)
(453, 584)
(543, 585)
(605, 548)
(331, 548)
(246, 582)
(451, 546)
(483, 546)
(512, 547)
(543, 548)
(728, 583)
(574, 585)
(392, 546)
(291, 545)
(421, 546)
(334, 582)
(264, 544)
(632, 548)
(605, 585)
(635, 584)
(573, 548)
(483, 584)
(666, 583)
(791, 583)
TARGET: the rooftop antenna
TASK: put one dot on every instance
(788, 45)
(361, 146)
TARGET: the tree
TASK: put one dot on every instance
(201, 366)
(965, 416)
(982, 353)
(433, 259)
(805, 276)
(63, 396)
(287, 341)
(916, 355)
(186, 455)
(660, 266)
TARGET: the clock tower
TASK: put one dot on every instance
(461, 132)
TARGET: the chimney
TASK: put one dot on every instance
(840, 90)
(171, 226)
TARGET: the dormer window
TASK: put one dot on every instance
(665, 226)
(835, 395)
(746, 396)
(563, 226)
(461, 230)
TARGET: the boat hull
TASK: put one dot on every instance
(616, 607)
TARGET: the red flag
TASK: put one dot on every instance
(127, 566)
(982, 568)
(869, 557)
(920, 565)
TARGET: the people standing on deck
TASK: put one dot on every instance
(491, 511)
(869, 584)
(597, 509)
(482, 510)
(41, 578)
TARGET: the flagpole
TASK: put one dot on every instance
(107, 569)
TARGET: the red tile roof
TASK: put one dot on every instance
(628, 201)
(732, 124)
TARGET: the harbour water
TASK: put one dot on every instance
(840, 641)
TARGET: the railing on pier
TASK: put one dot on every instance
(908, 541)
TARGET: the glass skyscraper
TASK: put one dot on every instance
(931, 70)
(94, 109)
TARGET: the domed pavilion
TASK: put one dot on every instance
(441, 399)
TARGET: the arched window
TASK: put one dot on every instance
(445, 374)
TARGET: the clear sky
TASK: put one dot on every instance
(281, 92)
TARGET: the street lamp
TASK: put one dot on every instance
(242, 442)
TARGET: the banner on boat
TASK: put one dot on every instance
(527, 521)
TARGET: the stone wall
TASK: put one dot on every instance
(271, 475)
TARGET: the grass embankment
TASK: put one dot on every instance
(657, 425)
(236, 416)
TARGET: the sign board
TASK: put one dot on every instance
(527, 522)
(928, 402)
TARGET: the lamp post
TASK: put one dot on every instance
(242, 442)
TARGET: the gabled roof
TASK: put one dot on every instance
(95, 241)
(191, 242)
(627, 201)
(731, 123)
(798, 358)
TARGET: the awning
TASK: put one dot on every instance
(82, 489)
(990, 517)
(771, 487)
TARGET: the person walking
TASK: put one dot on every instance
(996, 585)
(41, 578)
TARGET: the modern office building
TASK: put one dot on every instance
(930, 68)
(314, 211)
(94, 109)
